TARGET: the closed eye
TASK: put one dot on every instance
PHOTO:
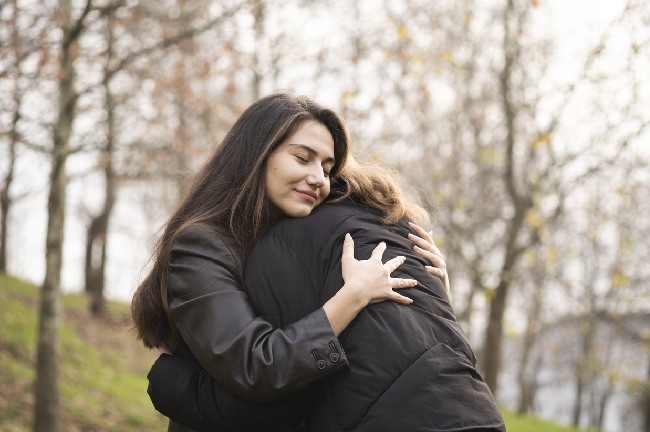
(307, 159)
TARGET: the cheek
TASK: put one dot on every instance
(325, 190)
(271, 180)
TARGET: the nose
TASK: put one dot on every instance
(316, 177)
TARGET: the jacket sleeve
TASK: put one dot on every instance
(183, 391)
(242, 352)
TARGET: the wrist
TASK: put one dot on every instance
(351, 294)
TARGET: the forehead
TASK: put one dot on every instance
(314, 136)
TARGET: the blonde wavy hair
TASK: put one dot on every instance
(378, 186)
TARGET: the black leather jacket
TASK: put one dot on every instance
(241, 351)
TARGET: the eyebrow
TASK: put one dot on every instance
(313, 152)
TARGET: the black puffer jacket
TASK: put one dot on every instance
(411, 367)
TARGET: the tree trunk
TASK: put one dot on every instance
(577, 403)
(5, 198)
(259, 17)
(46, 406)
(527, 376)
(520, 204)
(525, 383)
(601, 409)
(47, 395)
(645, 400)
(90, 275)
(494, 330)
(97, 234)
(95, 260)
(582, 369)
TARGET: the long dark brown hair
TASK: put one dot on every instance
(229, 195)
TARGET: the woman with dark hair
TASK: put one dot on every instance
(276, 160)
(411, 368)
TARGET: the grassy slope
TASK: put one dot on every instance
(516, 423)
(102, 369)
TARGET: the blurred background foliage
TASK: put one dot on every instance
(522, 125)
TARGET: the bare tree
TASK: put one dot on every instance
(538, 272)
(603, 279)
(181, 36)
(5, 188)
(645, 400)
(97, 231)
(5, 194)
(501, 177)
(47, 391)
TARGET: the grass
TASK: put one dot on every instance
(102, 368)
(528, 423)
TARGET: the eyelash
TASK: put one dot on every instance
(303, 160)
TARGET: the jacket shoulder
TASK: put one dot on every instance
(200, 243)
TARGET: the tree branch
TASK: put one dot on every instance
(187, 34)
(77, 27)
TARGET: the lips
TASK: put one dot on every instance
(309, 195)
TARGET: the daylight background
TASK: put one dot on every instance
(522, 125)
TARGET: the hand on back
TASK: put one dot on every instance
(370, 279)
(426, 248)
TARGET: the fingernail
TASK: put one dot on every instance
(416, 248)
(348, 236)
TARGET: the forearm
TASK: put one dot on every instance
(261, 363)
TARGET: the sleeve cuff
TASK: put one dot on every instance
(327, 353)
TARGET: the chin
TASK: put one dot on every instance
(299, 212)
